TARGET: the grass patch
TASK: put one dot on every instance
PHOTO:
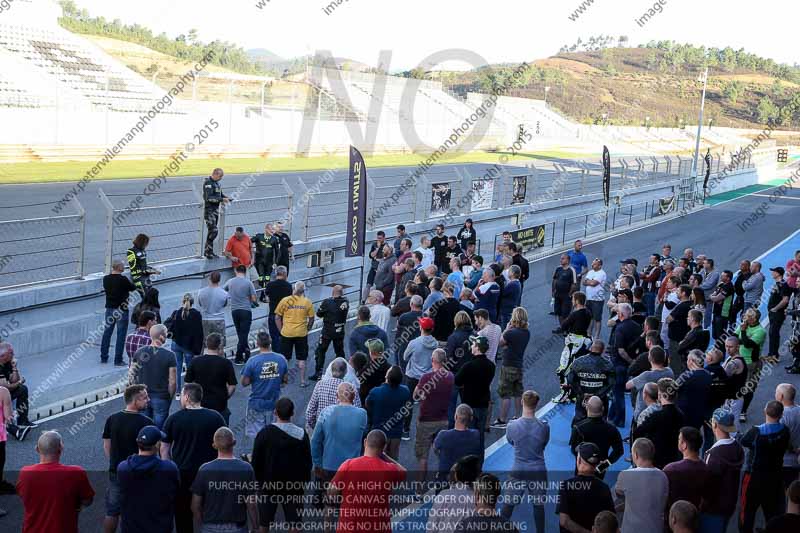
(69, 171)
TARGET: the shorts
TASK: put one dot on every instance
(562, 305)
(596, 308)
(510, 382)
(113, 496)
(426, 432)
(299, 344)
(255, 421)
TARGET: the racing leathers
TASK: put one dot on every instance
(212, 198)
(266, 246)
(333, 312)
(590, 375)
(140, 272)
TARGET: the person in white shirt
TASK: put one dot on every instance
(490, 330)
(594, 283)
(671, 299)
(426, 251)
(378, 312)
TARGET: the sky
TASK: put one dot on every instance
(492, 31)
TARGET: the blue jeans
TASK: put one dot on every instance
(451, 409)
(504, 320)
(158, 410)
(181, 355)
(275, 333)
(119, 319)
(649, 301)
(479, 415)
(707, 316)
(616, 413)
(713, 523)
(533, 483)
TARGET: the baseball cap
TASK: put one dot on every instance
(589, 452)
(481, 342)
(374, 345)
(629, 261)
(779, 270)
(724, 419)
(426, 322)
(149, 436)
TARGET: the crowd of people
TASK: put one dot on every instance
(684, 340)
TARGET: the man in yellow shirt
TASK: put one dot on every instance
(294, 317)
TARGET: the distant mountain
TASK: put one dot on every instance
(278, 65)
(264, 56)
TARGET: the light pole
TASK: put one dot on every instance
(700, 124)
(263, 133)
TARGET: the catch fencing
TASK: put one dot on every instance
(41, 248)
(37, 249)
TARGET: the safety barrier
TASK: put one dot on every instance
(45, 248)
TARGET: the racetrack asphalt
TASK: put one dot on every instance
(711, 231)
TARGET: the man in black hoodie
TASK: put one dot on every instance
(443, 313)
(282, 463)
(724, 459)
(664, 426)
(333, 312)
(188, 439)
(696, 338)
(148, 486)
(762, 482)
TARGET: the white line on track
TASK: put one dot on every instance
(499, 443)
(776, 198)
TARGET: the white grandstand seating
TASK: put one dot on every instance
(73, 68)
(49, 76)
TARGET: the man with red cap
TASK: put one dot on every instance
(418, 362)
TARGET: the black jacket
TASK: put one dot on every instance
(333, 312)
(212, 194)
(662, 428)
(697, 338)
(592, 375)
(439, 245)
(458, 348)
(678, 328)
(137, 263)
(475, 381)
(266, 248)
(187, 332)
(401, 306)
(282, 251)
(466, 235)
(523, 265)
(597, 431)
(373, 375)
(443, 314)
(279, 458)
